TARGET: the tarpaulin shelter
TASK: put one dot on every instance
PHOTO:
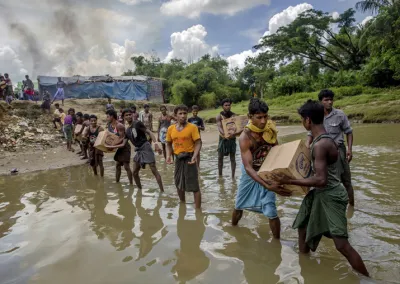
(137, 88)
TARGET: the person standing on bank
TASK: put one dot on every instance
(255, 194)
(226, 146)
(147, 118)
(323, 210)
(60, 91)
(336, 123)
(186, 142)
(137, 134)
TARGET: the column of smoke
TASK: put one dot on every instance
(74, 32)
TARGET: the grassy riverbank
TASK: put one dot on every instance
(370, 107)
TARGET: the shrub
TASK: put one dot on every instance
(288, 85)
(184, 92)
(207, 100)
(347, 91)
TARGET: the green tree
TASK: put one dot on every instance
(311, 37)
(184, 92)
(373, 5)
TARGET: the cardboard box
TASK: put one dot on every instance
(234, 125)
(104, 139)
(292, 159)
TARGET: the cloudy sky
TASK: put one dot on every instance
(97, 37)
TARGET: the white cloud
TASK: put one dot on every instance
(134, 2)
(278, 20)
(287, 16)
(193, 8)
(366, 20)
(335, 15)
(114, 17)
(238, 60)
(189, 45)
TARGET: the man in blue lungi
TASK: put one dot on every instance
(255, 194)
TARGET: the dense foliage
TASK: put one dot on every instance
(315, 51)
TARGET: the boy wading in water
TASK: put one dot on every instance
(95, 155)
(255, 194)
(226, 146)
(199, 123)
(123, 155)
(136, 133)
(163, 123)
(186, 140)
(323, 210)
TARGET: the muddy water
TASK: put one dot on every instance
(67, 226)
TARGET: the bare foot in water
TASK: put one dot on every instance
(236, 216)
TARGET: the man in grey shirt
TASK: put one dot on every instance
(336, 123)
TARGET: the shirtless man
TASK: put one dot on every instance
(226, 146)
(323, 211)
(147, 117)
(163, 123)
(255, 194)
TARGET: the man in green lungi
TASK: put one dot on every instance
(336, 123)
(323, 210)
(226, 146)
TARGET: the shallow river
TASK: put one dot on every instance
(67, 226)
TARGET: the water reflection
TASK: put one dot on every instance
(67, 225)
(151, 226)
(191, 260)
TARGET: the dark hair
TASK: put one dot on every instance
(79, 114)
(57, 104)
(71, 109)
(326, 94)
(145, 105)
(112, 113)
(92, 116)
(313, 110)
(6, 74)
(195, 107)
(161, 107)
(60, 109)
(257, 106)
(125, 111)
(180, 107)
(224, 101)
(86, 116)
(133, 107)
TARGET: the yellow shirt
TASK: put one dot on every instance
(62, 117)
(183, 141)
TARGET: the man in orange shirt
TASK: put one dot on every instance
(185, 139)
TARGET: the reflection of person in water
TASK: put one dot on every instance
(192, 261)
(150, 224)
(260, 258)
(111, 226)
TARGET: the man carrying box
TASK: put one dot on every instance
(323, 210)
(226, 146)
(336, 123)
(255, 194)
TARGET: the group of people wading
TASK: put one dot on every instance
(323, 210)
